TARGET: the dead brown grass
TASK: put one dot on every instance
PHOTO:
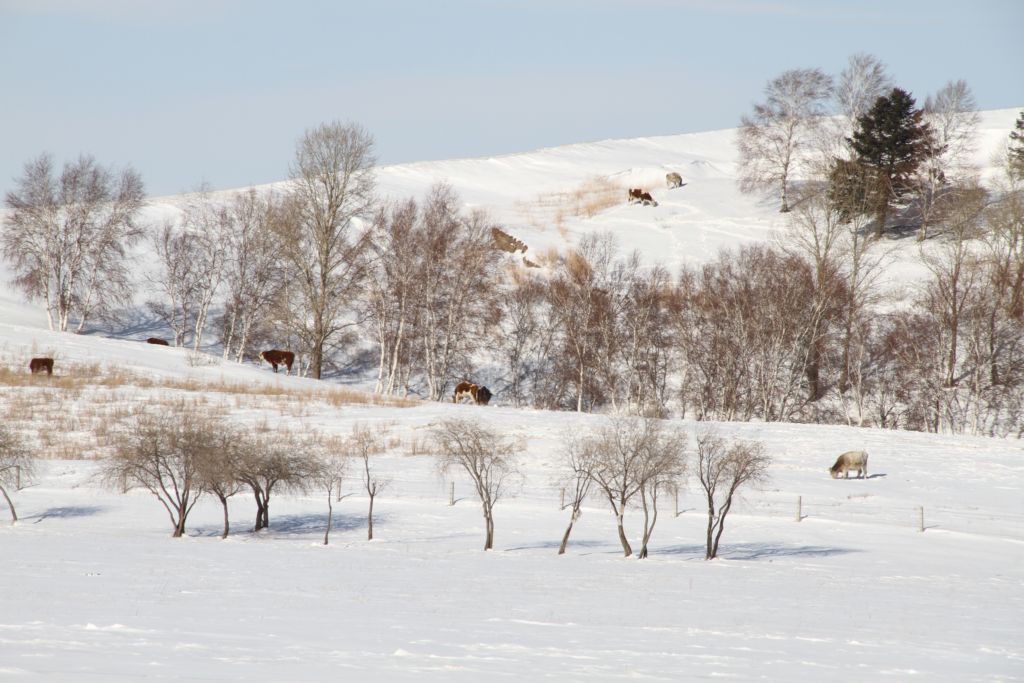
(76, 413)
(589, 198)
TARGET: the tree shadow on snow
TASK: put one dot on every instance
(756, 551)
(553, 545)
(67, 512)
(290, 525)
(298, 525)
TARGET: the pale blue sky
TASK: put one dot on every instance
(219, 90)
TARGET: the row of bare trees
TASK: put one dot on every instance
(628, 462)
(183, 454)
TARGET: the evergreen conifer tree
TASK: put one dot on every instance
(1016, 156)
(891, 140)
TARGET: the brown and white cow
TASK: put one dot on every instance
(480, 395)
(640, 195)
(39, 364)
(851, 460)
(157, 341)
(277, 357)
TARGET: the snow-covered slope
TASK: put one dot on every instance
(92, 587)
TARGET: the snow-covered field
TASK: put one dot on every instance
(93, 588)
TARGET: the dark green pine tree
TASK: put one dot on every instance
(1017, 148)
(891, 141)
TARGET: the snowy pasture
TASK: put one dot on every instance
(94, 589)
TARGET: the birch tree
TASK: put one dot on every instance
(773, 140)
(67, 239)
(324, 245)
(253, 271)
(393, 292)
(456, 287)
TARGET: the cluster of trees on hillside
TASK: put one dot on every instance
(792, 331)
(853, 158)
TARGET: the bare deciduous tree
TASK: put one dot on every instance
(773, 141)
(577, 479)
(253, 270)
(663, 467)
(455, 289)
(16, 465)
(722, 470)
(218, 470)
(330, 472)
(362, 444)
(862, 82)
(276, 461)
(161, 451)
(393, 291)
(579, 299)
(324, 243)
(67, 238)
(488, 459)
(177, 280)
(522, 340)
(634, 456)
(955, 270)
(952, 117)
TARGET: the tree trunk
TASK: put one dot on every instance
(330, 516)
(627, 550)
(179, 527)
(14, 515)
(565, 540)
(227, 527)
(489, 542)
(369, 520)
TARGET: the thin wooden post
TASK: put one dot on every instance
(451, 494)
(338, 484)
(675, 499)
(799, 508)
(920, 519)
(561, 506)
(17, 477)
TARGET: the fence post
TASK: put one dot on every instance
(17, 477)
(451, 494)
(561, 506)
(799, 508)
(675, 499)
(338, 484)
(920, 519)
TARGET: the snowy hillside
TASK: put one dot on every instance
(93, 588)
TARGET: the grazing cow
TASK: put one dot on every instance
(673, 180)
(39, 364)
(851, 460)
(276, 357)
(480, 395)
(637, 194)
(157, 341)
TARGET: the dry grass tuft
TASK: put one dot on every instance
(591, 197)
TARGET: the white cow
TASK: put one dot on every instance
(851, 460)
